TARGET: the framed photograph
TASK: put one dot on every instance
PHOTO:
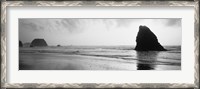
(100, 44)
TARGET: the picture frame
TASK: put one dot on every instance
(6, 4)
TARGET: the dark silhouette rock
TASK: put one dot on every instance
(147, 40)
(58, 45)
(20, 44)
(38, 43)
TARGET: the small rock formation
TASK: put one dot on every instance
(58, 45)
(147, 40)
(38, 43)
(20, 44)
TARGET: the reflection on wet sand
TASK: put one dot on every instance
(54, 61)
(146, 60)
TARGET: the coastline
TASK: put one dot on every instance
(49, 61)
(57, 61)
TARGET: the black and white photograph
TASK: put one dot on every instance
(100, 43)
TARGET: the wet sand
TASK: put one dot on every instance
(97, 58)
(53, 61)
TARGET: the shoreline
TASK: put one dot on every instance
(56, 61)
(73, 62)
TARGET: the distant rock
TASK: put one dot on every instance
(20, 44)
(147, 40)
(58, 45)
(38, 43)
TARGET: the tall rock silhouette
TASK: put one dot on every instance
(38, 43)
(20, 44)
(147, 40)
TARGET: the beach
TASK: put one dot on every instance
(71, 62)
(97, 58)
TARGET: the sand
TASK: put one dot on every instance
(53, 61)
(98, 58)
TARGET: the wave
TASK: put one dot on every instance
(126, 53)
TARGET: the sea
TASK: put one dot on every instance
(98, 58)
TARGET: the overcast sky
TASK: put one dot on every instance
(67, 31)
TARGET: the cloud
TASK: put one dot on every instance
(70, 25)
(96, 31)
(73, 25)
(173, 22)
(126, 22)
(169, 22)
(30, 25)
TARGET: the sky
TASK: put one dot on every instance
(72, 31)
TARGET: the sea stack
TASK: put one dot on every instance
(147, 41)
(20, 44)
(38, 43)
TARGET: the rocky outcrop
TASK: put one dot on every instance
(38, 43)
(147, 40)
(20, 44)
(58, 45)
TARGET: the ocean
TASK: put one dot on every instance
(98, 58)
